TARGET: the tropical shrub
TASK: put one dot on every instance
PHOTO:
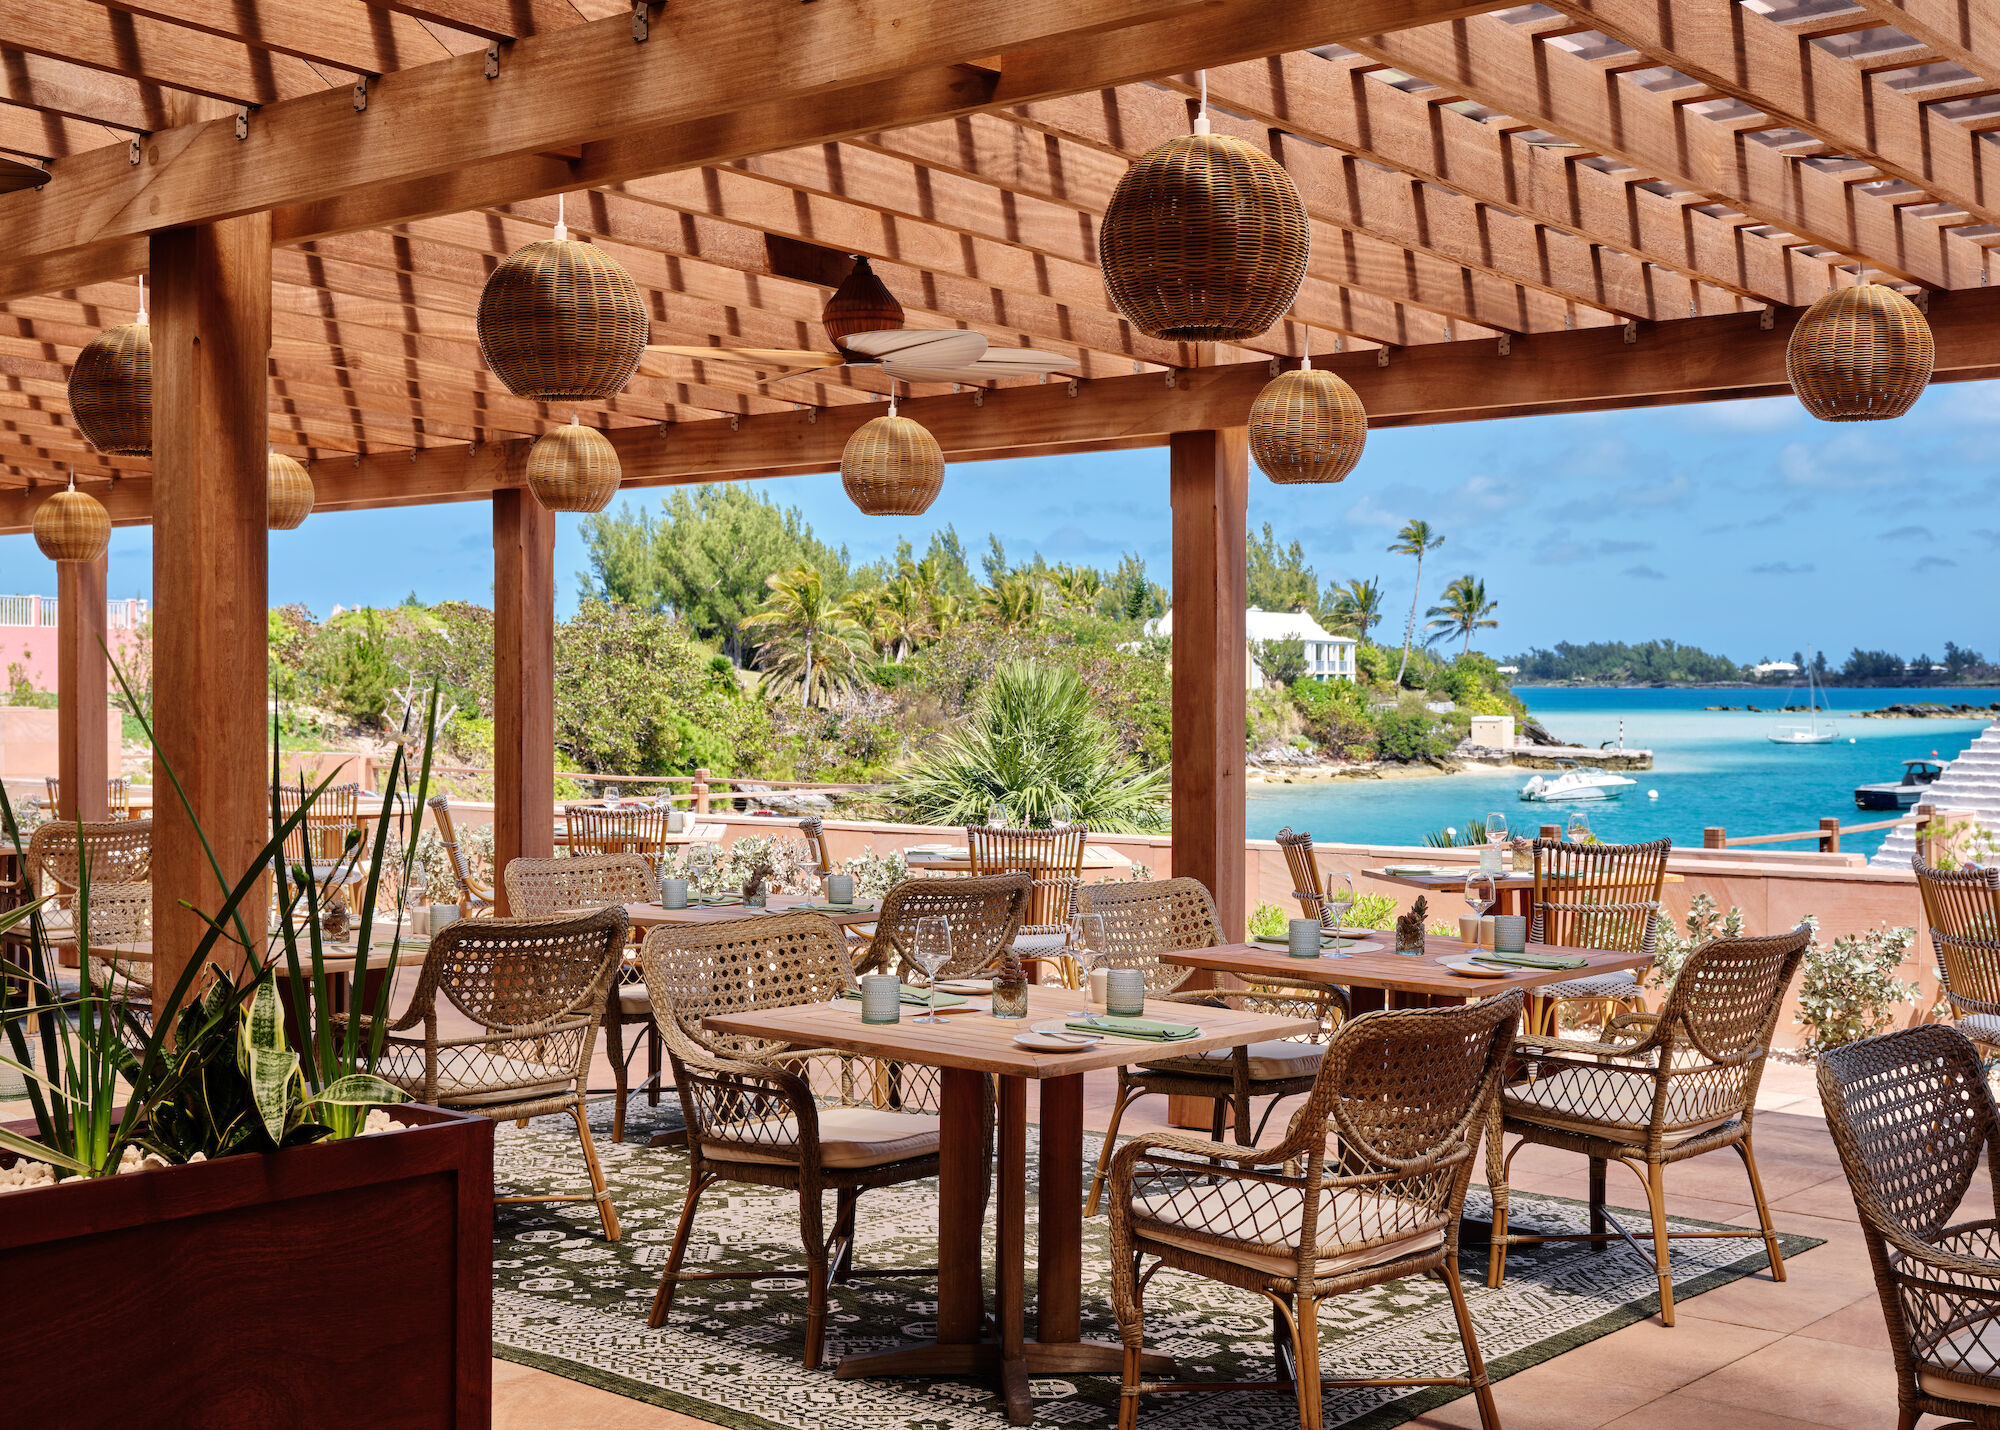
(1673, 943)
(1336, 717)
(1268, 921)
(1849, 990)
(1413, 734)
(874, 874)
(1034, 740)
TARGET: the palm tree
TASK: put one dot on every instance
(1464, 610)
(1358, 606)
(1414, 539)
(1014, 600)
(807, 636)
(1035, 740)
(902, 617)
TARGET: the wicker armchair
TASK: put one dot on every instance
(1655, 1090)
(320, 840)
(1912, 1115)
(551, 888)
(593, 829)
(984, 910)
(1143, 921)
(536, 988)
(762, 1115)
(1407, 1095)
(115, 851)
(1053, 858)
(1962, 909)
(475, 900)
(1595, 896)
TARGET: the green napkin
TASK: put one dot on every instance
(1326, 940)
(1531, 960)
(857, 907)
(1145, 1029)
(715, 899)
(915, 997)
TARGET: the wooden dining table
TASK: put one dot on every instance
(958, 859)
(970, 1047)
(1513, 891)
(646, 916)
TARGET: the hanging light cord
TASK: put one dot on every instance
(1201, 115)
(72, 476)
(892, 397)
(562, 229)
(142, 300)
(1306, 348)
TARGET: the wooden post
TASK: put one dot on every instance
(1552, 831)
(700, 791)
(1210, 484)
(211, 331)
(83, 723)
(1829, 834)
(1926, 817)
(524, 692)
(1713, 838)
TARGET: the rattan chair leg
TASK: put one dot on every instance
(1656, 1204)
(812, 1236)
(1771, 1252)
(614, 1047)
(1482, 1390)
(663, 1299)
(606, 1213)
(1128, 1392)
(1305, 1355)
(1496, 1184)
(844, 1202)
(652, 1065)
(1598, 1226)
(1125, 1094)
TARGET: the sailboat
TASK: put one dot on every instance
(1812, 734)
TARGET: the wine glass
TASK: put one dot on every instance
(1336, 898)
(997, 816)
(1060, 814)
(1577, 830)
(1086, 942)
(612, 794)
(1496, 829)
(1479, 895)
(930, 950)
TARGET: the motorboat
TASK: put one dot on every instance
(1575, 783)
(1812, 734)
(1917, 775)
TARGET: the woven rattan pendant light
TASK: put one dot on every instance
(573, 468)
(561, 322)
(861, 304)
(1205, 239)
(891, 466)
(72, 526)
(288, 494)
(111, 387)
(1307, 426)
(1860, 354)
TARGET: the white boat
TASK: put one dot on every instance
(1573, 784)
(1812, 734)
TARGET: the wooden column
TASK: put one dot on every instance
(1210, 486)
(211, 331)
(82, 675)
(524, 692)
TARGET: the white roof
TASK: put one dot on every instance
(1776, 667)
(1262, 625)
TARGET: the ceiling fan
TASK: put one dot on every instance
(865, 322)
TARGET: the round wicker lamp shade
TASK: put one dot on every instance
(289, 495)
(561, 322)
(861, 304)
(892, 467)
(1307, 426)
(1860, 354)
(72, 526)
(111, 390)
(1205, 240)
(573, 468)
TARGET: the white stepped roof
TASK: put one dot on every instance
(1262, 625)
(1970, 785)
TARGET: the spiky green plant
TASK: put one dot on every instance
(1034, 741)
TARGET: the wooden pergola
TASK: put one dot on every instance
(1514, 209)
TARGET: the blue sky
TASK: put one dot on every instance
(1745, 527)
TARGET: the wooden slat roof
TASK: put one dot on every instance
(1530, 170)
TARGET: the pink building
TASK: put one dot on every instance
(28, 634)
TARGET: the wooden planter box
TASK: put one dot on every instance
(345, 1284)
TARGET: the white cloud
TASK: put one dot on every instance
(1645, 573)
(1850, 462)
(1761, 414)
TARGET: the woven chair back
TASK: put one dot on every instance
(546, 888)
(54, 787)
(118, 798)
(984, 912)
(116, 851)
(119, 913)
(593, 829)
(1145, 919)
(697, 971)
(1598, 895)
(321, 837)
(1960, 903)
(461, 872)
(813, 830)
(1306, 887)
(1728, 995)
(1053, 858)
(508, 974)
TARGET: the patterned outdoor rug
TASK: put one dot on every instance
(567, 1302)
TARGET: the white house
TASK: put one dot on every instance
(1774, 667)
(1328, 657)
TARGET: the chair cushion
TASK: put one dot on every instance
(1601, 985)
(1268, 1236)
(633, 999)
(848, 1137)
(1617, 1105)
(1041, 942)
(1972, 1350)
(1272, 1061)
(495, 1080)
(1980, 1027)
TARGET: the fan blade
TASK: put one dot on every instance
(998, 363)
(940, 347)
(802, 358)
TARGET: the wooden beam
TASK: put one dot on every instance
(524, 658)
(55, 86)
(83, 723)
(1488, 60)
(344, 33)
(1209, 479)
(490, 19)
(442, 137)
(211, 329)
(1755, 59)
(1963, 31)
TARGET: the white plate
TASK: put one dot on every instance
(965, 985)
(1049, 1043)
(1467, 968)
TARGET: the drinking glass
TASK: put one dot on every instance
(1577, 831)
(1086, 942)
(930, 950)
(1479, 894)
(997, 816)
(1337, 897)
(612, 795)
(1059, 815)
(1496, 828)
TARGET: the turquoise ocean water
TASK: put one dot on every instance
(1710, 768)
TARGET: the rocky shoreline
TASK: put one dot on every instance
(1929, 711)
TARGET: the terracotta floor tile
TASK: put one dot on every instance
(1683, 1411)
(1847, 1387)
(1548, 1397)
(1859, 1324)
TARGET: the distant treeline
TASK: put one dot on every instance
(1669, 663)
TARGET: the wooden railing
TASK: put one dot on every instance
(701, 784)
(1829, 832)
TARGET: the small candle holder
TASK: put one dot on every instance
(1510, 933)
(881, 998)
(1304, 936)
(673, 893)
(1125, 992)
(840, 888)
